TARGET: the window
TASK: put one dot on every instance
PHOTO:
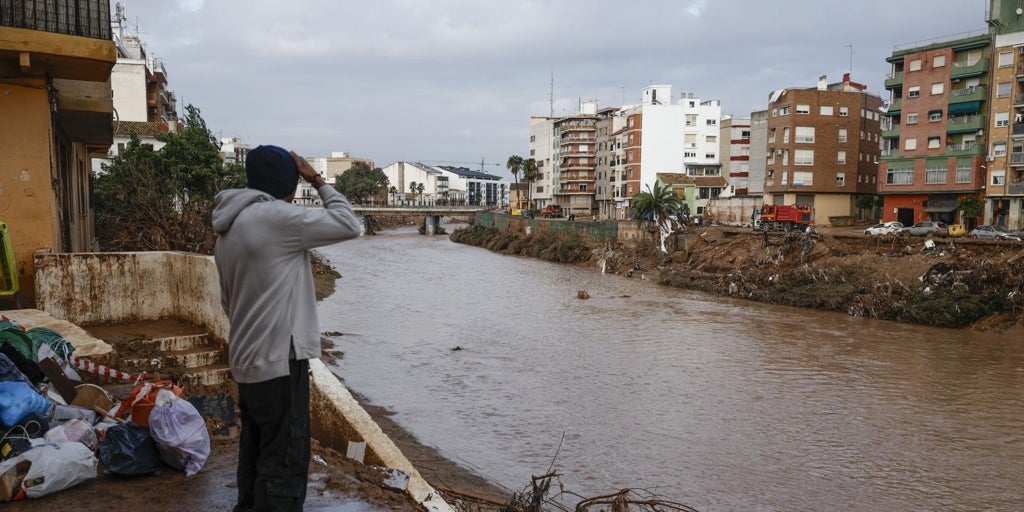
(803, 109)
(914, 91)
(934, 142)
(938, 88)
(1003, 90)
(939, 61)
(803, 179)
(910, 144)
(826, 110)
(784, 111)
(691, 119)
(1002, 119)
(803, 157)
(841, 157)
(963, 173)
(840, 179)
(711, 138)
(999, 148)
(915, 65)
(785, 135)
(935, 175)
(843, 111)
(690, 154)
(935, 116)
(533, 152)
(712, 122)
(804, 134)
(771, 136)
(999, 177)
(912, 118)
(899, 177)
(533, 138)
(842, 135)
(709, 156)
(1005, 59)
(775, 112)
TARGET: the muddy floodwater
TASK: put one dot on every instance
(720, 404)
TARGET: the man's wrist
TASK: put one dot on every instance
(317, 181)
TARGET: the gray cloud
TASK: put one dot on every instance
(457, 80)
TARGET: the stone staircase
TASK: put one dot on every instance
(190, 360)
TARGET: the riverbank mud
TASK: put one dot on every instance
(945, 283)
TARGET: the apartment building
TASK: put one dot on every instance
(934, 151)
(1004, 183)
(336, 164)
(539, 192)
(55, 63)
(758, 152)
(608, 188)
(823, 145)
(734, 148)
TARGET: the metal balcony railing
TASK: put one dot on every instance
(1015, 188)
(86, 18)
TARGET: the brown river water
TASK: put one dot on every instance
(724, 405)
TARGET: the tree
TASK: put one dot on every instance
(412, 189)
(162, 200)
(865, 202)
(360, 182)
(394, 193)
(658, 206)
(419, 190)
(970, 208)
(515, 166)
(529, 174)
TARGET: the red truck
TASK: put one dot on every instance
(552, 211)
(784, 217)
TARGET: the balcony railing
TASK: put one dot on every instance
(963, 147)
(1015, 188)
(1016, 158)
(894, 80)
(972, 93)
(965, 123)
(968, 68)
(86, 18)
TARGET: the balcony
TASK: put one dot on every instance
(895, 107)
(1018, 100)
(966, 69)
(890, 131)
(1017, 158)
(61, 39)
(973, 93)
(965, 123)
(967, 148)
(894, 80)
(576, 127)
(1015, 189)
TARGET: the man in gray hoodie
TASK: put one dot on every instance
(266, 286)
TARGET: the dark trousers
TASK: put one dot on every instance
(273, 449)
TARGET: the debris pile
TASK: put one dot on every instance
(57, 430)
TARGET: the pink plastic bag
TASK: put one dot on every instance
(180, 434)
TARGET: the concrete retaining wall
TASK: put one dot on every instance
(110, 288)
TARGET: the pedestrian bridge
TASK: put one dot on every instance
(432, 215)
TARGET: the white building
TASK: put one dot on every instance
(542, 149)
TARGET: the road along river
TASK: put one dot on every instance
(720, 404)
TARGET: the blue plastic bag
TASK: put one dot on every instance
(17, 400)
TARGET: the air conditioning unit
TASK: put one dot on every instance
(990, 158)
(981, 132)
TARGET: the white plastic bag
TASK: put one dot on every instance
(55, 467)
(180, 434)
(75, 430)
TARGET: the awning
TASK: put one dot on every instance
(938, 209)
(964, 108)
(935, 111)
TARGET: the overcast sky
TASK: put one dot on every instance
(457, 80)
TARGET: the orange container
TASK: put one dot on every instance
(141, 410)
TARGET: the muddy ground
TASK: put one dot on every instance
(955, 283)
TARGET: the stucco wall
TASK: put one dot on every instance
(119, 287)
(26, 194)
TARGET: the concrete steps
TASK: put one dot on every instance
(191, 360)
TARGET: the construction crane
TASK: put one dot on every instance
(482, 163)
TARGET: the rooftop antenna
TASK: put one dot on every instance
(850, 46)
(551, 95)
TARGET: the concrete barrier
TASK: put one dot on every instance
(109, 288)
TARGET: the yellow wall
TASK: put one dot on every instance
(831, 205)
(26, 193)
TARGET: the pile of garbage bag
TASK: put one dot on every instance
(57, 431)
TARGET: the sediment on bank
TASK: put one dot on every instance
(955, 283)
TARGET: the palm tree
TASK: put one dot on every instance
(412, 188)
(515, 166)
(659, 206)
(419, 190)
(529, 175)
(394, 193)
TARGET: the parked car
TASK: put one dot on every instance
(994, 233)
(927, 228)
(889, 228)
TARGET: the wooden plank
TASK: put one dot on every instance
(56, 376)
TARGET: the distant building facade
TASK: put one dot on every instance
(823, 143)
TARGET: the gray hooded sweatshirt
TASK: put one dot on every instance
(266, 282)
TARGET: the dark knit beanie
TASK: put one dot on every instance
(271, 169)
